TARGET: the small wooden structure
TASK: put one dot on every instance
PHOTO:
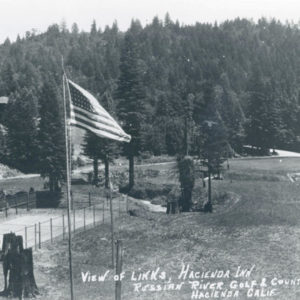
(3, 104)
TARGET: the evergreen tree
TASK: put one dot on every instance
(256, 112)
(52, 162)
(175, 136)
(231, 113)
(170, 62)
(3, 147)
(264, 127)
(188, 124)
(8, 83)
(99, 148)
(131, 95)
(213, 147)
(215, 144)
(94, 29)
(21, 122)
(75, 29)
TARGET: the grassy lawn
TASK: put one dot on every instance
(260, 230)
(168, 242)
(265, 166)
(264, 190)
(14, 185)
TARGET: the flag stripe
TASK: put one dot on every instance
(95, 125)
(88, 114)
(99, 132)
(94, 117)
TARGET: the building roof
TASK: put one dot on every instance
(3, 100)
(3, 130)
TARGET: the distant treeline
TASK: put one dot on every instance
(173, 83)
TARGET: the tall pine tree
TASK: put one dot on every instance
(21, 122)
(52, 162)
(131, 95)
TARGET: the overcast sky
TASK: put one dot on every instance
(19, 16)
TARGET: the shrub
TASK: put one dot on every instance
(159, 159)
(151, 173)
(47, 199)
(146, 155)
(145, 190)
(80, 162)
(161, 200)
(174, 195)
(138, 191)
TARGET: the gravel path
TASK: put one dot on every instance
(283, 153)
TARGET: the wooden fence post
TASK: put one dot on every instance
(6, 208)
(51, 233)
(35, 233)
(74, 226)
(27, 201)
(119, 261)
(94, 217)
(25, 236)
(103, 211)
(72, 201)
(40, 236)
(90, 201)
(63, 226)
(84, 218)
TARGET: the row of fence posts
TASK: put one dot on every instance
(72, 202)
(16, 204)
(39, 233)
(119, 251)
(37, 230)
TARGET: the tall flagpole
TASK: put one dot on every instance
(67, 139)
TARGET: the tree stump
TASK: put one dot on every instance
(6, 258)
(29, 287)
(19, 263)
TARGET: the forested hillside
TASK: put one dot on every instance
(240, 76)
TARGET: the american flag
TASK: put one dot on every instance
(88, 114)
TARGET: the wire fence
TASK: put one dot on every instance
(11, 204)
(47, 230)
(91, 212)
